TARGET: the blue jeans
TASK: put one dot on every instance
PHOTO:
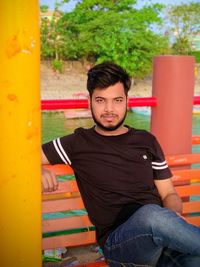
(154, 236)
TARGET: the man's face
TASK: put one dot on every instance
(109, 107)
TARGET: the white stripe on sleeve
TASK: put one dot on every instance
(158, 163)
(160, 168)
(59, 153)
(63, 151)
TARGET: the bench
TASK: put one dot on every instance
(75, 228)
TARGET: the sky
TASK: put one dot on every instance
(69, 6)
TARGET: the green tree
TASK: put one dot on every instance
(184, 24)
(99, 30)
(44, 8)
(52, 38)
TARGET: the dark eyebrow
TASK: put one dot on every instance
(99, 97)
(119, 97)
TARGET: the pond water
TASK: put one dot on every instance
(54, 124)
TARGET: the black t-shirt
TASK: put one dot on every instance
(115, 174)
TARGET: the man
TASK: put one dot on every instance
(124, 181)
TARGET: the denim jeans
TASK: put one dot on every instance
(154, 236)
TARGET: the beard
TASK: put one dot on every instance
(108, 128)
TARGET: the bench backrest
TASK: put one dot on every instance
(65, 221)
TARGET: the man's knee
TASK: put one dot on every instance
(155, 218)
(151, 213)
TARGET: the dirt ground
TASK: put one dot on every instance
(76, 256)
(61, 86)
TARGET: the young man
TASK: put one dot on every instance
(124, 181)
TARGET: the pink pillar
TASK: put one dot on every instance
(173, 86)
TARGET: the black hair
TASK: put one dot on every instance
(106, 74)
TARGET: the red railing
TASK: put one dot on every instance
(56, 104)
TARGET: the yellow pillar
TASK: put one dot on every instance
(20, 186)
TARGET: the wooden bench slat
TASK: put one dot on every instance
(194, 220)
(61, 195)
(65, 223)
(185, 175)
(184, 159)
(68, 186)
(188, 190)
(192, 206)
(62, 204)
(59, 169)
(63, 187)
(72, 240)
(196, 140)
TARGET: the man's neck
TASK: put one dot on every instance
(121, 130)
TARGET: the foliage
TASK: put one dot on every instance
(99, 30)
(57, 65)
(196, 54)
(44, 8)
(51, 38)
(181, 46)
(46, 48)
(185, 23)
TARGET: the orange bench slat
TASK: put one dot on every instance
(65, 223)
(186, 175)
(63, 187)
(188, 190)
(191, 206)
(60, 169)
(194, 220)
(62, 204)
(184, 159)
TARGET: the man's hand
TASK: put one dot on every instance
(49, 181)
(169, 196)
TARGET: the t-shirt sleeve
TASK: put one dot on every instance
(59, 150)
(159, 163)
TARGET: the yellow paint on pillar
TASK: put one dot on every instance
(20, 185)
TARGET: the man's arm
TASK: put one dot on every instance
(44, 158)
(49, 181)
(168, 194)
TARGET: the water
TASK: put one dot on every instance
(54, 124)
(196, 125)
